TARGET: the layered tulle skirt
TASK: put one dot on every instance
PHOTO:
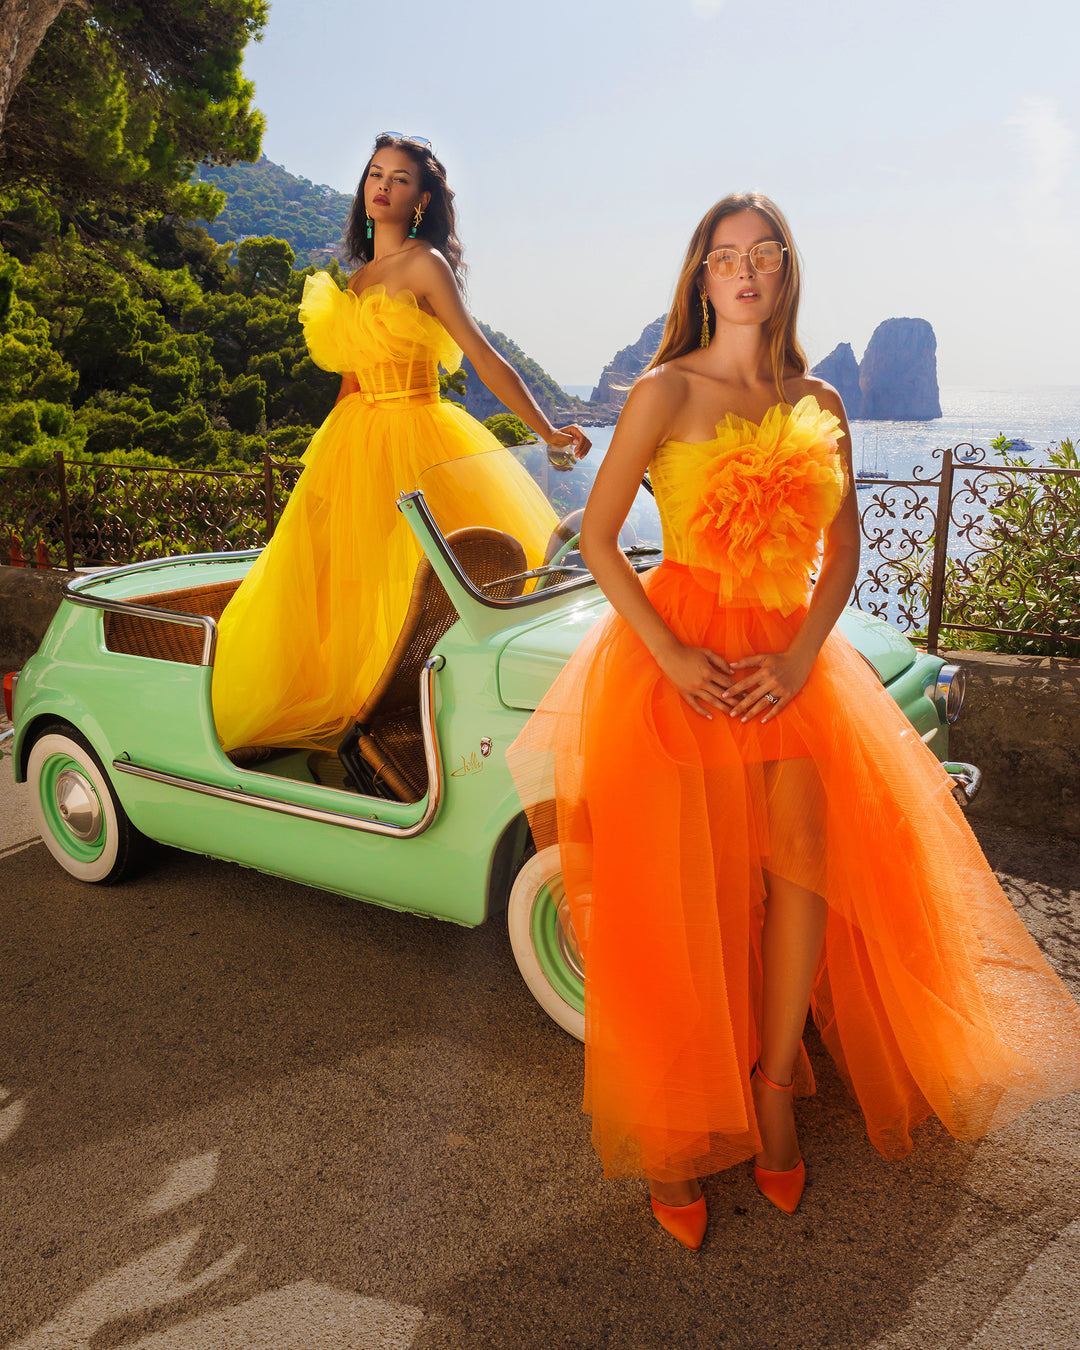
(931, 995)
(305, 638)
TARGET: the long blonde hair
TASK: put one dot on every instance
(682, 331)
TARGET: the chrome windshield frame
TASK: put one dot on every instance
(416, 501)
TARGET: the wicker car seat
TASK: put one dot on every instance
(383, 751)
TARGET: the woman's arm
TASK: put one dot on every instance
(349, 385)
(783, 674)
(701, 676)
(431, 280)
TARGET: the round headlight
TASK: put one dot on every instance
(950, 690)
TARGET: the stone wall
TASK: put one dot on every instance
(28, 599)
(1020, 724)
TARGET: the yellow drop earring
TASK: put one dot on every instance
(418, 216)
(704, 321)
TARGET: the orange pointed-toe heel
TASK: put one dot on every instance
(783, 1189)
(685, 1223)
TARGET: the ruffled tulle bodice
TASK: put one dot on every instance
(746, 510)
(387, 341)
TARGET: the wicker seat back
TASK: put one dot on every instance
(137, 635)
(387, 732)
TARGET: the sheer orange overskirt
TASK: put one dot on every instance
(931, 997)
(304, 639)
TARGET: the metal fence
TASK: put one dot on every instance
(76, 514)
(972, 547)
(975, 547)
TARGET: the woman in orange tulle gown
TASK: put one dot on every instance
(747, 823)
(307, 634)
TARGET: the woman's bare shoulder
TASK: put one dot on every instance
(801, 386)
(662, 387)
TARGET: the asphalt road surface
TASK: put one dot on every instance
(235, 1112)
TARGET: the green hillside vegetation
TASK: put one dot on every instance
(128, 334)
(162, 351)
(544, 389)
(265, 199)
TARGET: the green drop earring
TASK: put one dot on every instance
(370, 228)
(418, 216)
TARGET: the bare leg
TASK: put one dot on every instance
(792, 939)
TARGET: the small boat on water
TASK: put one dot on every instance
(867, 475)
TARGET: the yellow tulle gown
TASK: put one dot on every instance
(307, 634)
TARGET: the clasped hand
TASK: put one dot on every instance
(707, 682)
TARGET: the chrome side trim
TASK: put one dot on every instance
(83, 583)
(432, 759)
(967, 780)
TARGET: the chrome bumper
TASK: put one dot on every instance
(967, 780)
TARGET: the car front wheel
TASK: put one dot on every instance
(82, 824)
(546, 954)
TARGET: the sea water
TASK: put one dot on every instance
(1041, 417)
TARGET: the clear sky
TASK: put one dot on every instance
(925, 154)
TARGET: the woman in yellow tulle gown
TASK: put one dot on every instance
(747, 823)
(307, 634)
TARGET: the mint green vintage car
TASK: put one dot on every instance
(416, 810)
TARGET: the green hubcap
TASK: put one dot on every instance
(72, 808)
(554, 953)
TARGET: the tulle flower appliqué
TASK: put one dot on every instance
(766, 496)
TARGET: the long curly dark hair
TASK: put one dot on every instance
(439, 225)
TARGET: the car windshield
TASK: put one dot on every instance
(520, 494)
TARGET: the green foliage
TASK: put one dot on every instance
(164, 352)
(264, 265)
(265, 199)
(543, 387)
(452, 385)
(1028, 578)
(509, 429)
(122, 99)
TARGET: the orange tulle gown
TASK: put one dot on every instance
(931, 995)
(307, 634)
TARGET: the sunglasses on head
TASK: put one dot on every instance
(404, 136)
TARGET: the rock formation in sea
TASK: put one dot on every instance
(841, 370)
(898, 373)
(624, 368)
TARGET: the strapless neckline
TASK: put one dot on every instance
(732, 421)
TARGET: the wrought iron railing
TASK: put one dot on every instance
(77, 514)
(978, 548)
(974, 547)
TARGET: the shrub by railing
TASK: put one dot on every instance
(991, 550)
